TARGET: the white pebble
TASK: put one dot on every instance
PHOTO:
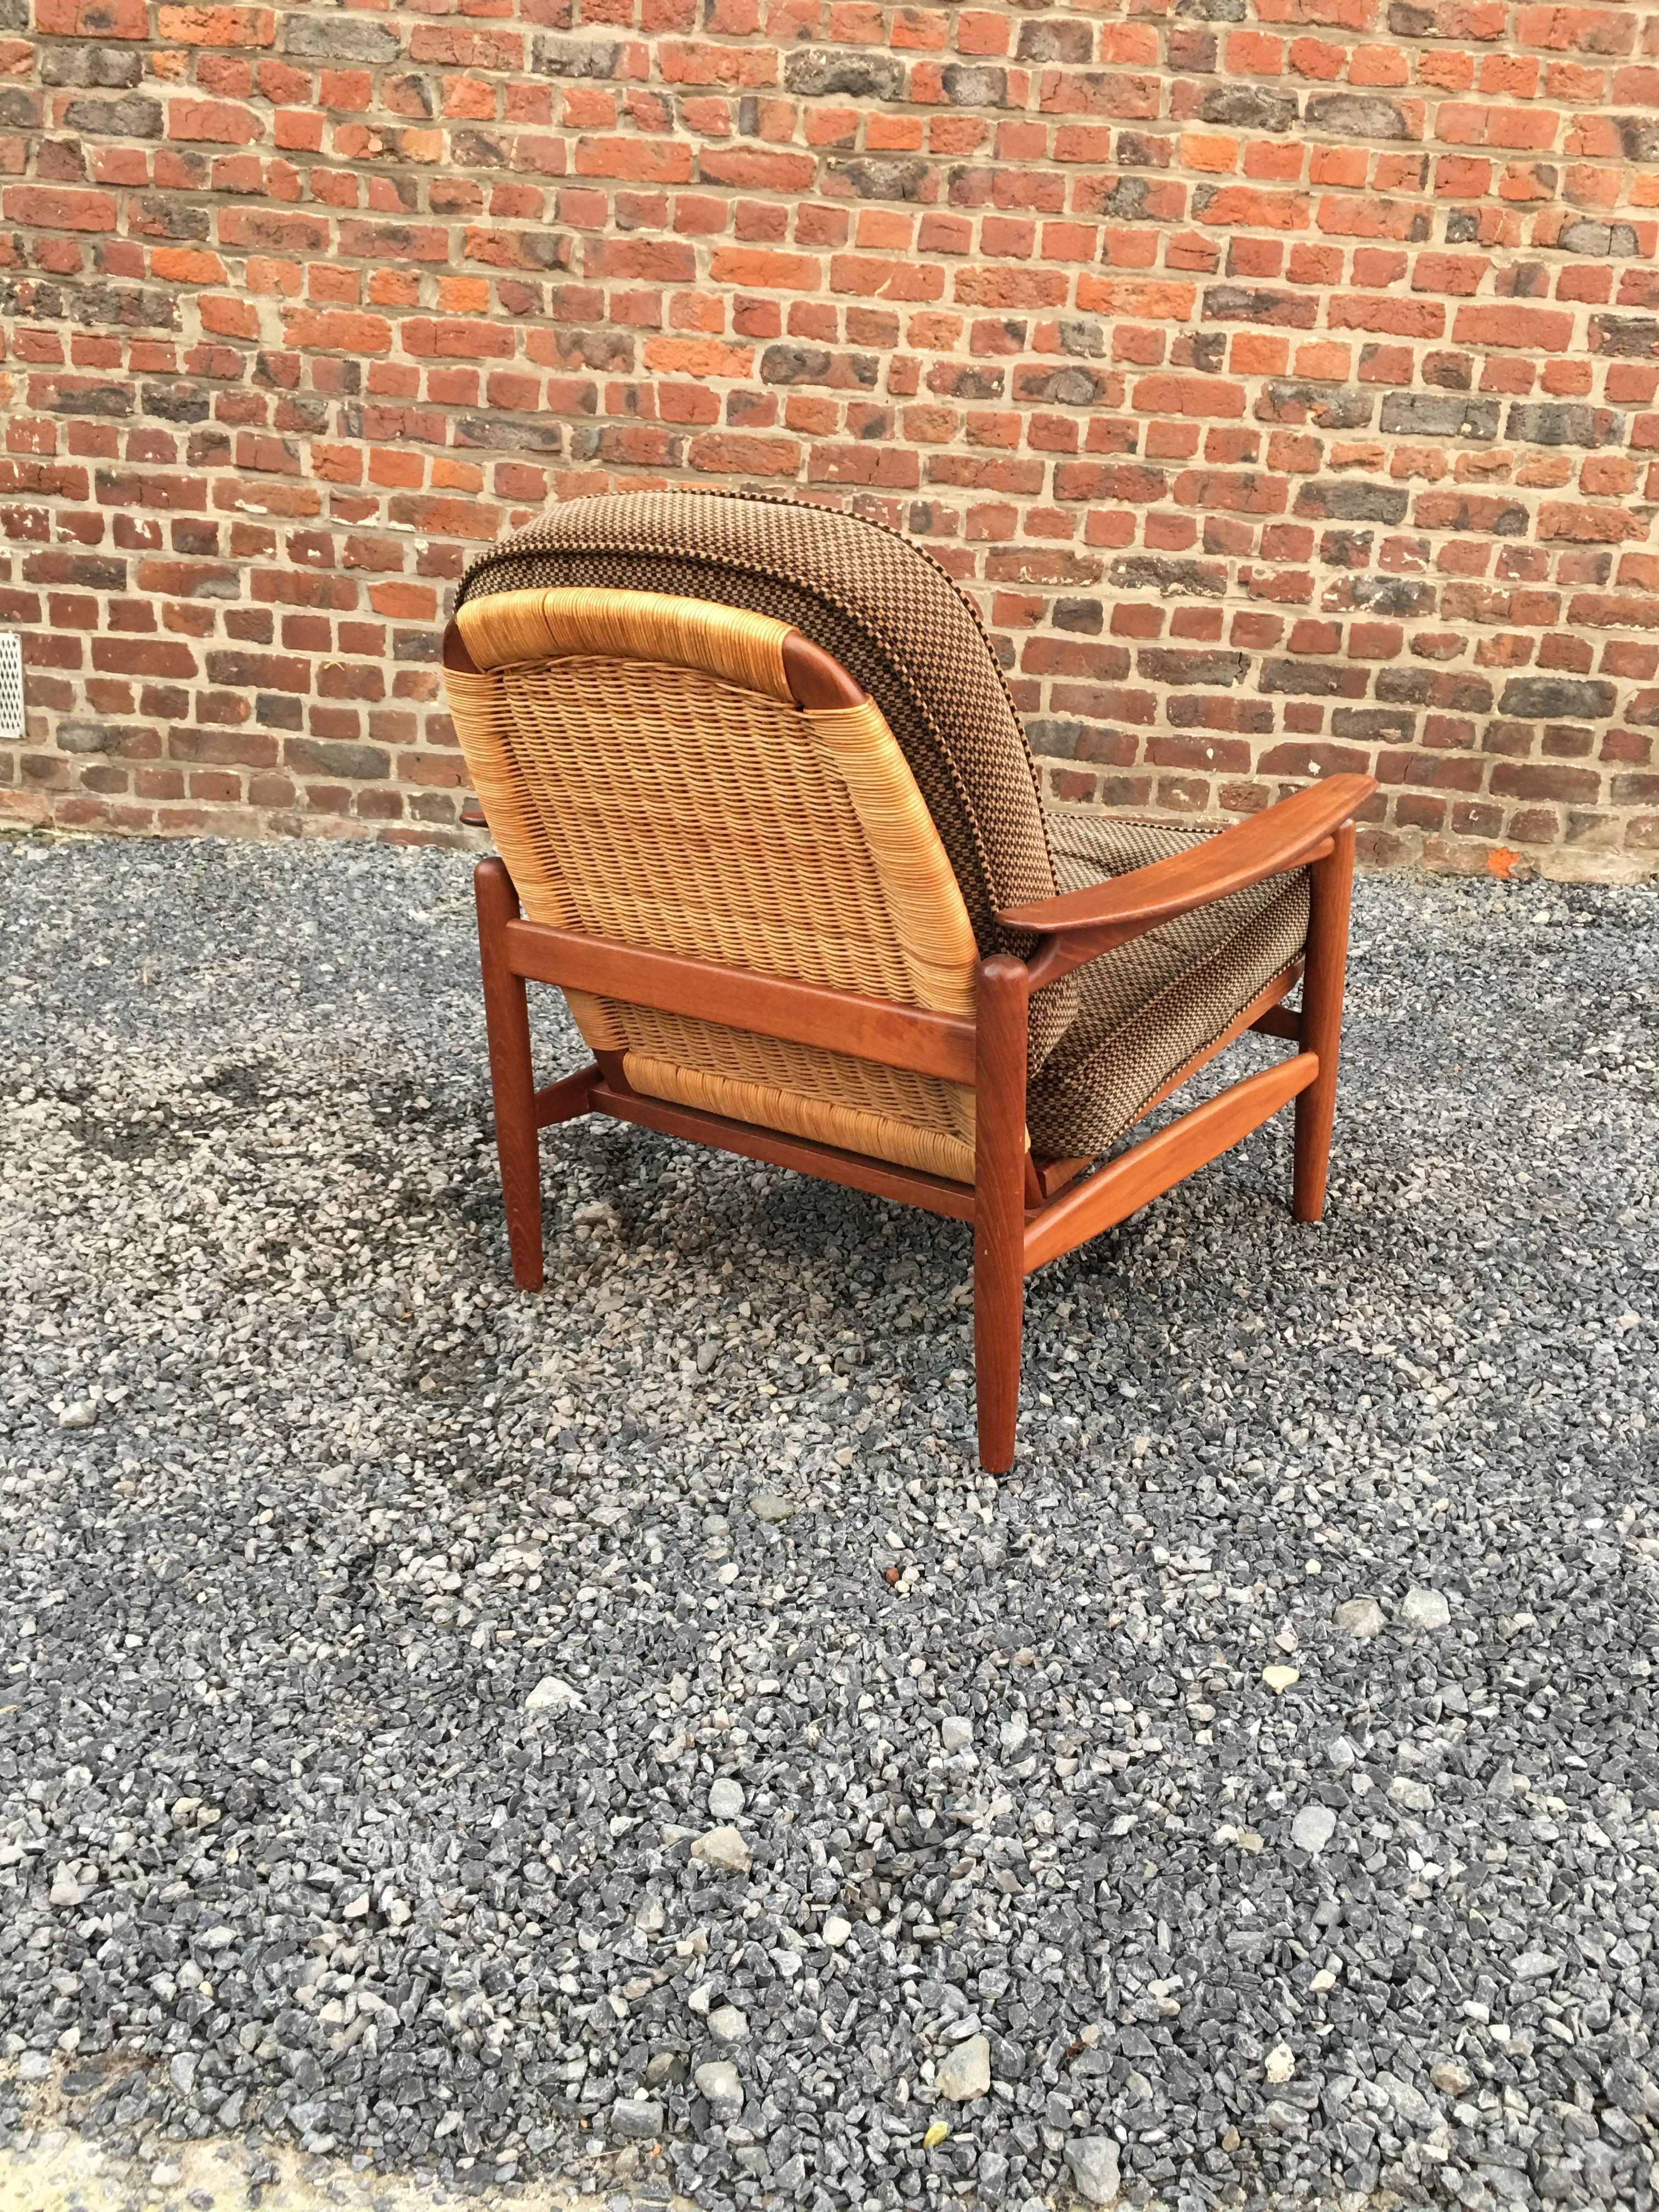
(1313, 1827)
(717, 2079)
(723, 1849)
(1425, 1608)
(1362, 1617)
(964, 2072)
(1094, 2163)
(551, 1695)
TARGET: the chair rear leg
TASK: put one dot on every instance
(998, 1330)
(512, 1079)
(1322, 982)
(1003, 998)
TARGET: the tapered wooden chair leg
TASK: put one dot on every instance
(512, 1079)
(1322, 982)
(1000, 1204)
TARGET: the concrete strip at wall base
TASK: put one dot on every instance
(61, 2172)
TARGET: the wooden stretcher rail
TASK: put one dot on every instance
(771, 1006)
(1157, 1163)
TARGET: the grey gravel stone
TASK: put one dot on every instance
(1537, 1966)
(636, 2119)
(80, 1415)
(273, 1797)
(1425, 1608)
(725, 1802)
(767, 1505)
(1408, 2101)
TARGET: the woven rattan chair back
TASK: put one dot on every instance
(649, 778)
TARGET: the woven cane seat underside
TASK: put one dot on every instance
(1147, 1009)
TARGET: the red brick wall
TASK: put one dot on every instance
(1280, 374)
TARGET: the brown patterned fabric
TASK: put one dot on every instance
(1147, 1008)
(1101, 1043)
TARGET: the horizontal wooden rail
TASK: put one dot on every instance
(564, 1100)
(1156, 1165)
(771, 1006)
(910, 1186)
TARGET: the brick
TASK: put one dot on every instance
(92, 18)
(218, 27)
(1546, 330)
(50, 207)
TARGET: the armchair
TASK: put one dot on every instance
(764, 810)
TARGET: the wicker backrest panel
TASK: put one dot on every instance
(887, 612)
(662, 805)
(745, 647)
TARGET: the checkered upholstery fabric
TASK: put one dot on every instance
(1148, 1008)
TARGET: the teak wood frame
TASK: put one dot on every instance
(1023, 1213)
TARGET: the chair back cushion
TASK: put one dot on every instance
(887, 612)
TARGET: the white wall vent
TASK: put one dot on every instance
(11, 684)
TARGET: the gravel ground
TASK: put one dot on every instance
(620, 1733)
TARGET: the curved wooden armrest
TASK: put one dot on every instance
(1082, 924)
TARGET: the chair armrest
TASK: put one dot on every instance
(1081, 924)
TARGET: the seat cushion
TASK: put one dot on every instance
(1144, 1011)
(884, 609)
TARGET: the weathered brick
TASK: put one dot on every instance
(814, 72)
(1537, 697)
(339, 37)
(1356, 115)
(1436, 414)
(1250, 108)
(1560, 423)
